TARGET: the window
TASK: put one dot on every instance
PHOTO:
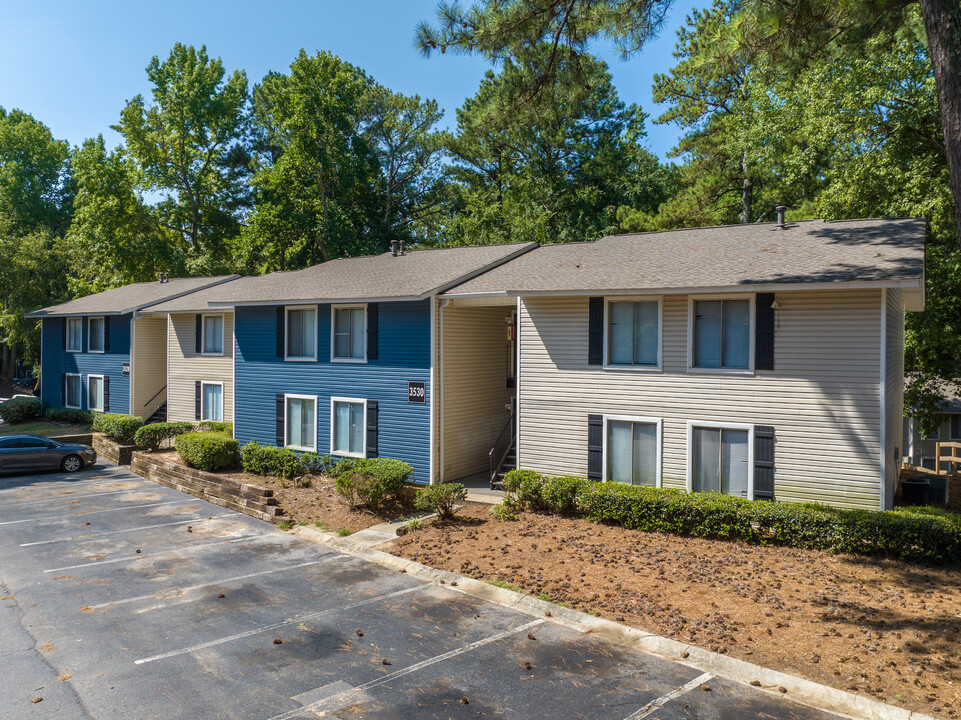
(95, 392)
(301, 422)
(720, 460)
(632, 450)
(347, 427)
(722, 334)
(956, 427)
(74, 334)
(633, 332)
(212, 401)
(350, 333)
(302, 333)
(73, 391)
(213, 330)
(96, 331)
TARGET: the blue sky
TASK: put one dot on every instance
(74, 64)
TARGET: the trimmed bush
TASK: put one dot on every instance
(270, 460)
(150, 436)
(373, 482)
(208, 450)
(442, 499)
(69, 415)
(20, 409)
(317, 464)
(226, 428)
(543, 493)
(117, 426)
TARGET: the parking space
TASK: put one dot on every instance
(124, 599)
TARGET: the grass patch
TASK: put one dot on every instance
(44, 428)
(343, 532)
(321, 525)
(285, 525)
(504, 584)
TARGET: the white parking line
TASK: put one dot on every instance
(230, 539)
(53, 497)
(275, 626)
(664, 699)
(97, 512)
(225, 581)
(343, 699)
(93, 536)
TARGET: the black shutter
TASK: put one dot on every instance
(595, 447)
(63, 332)
(764, 332)
(106, 333)
(198, 335)
(372, 315)
(198, 390)
(63, 387)
(595, 332)
(281, 412)
(281, 331)
(106, 393)
(371, 428)
(763, 462)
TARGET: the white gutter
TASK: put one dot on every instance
(434, 389)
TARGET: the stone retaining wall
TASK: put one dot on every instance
(112, 450)
(253, 500)
(81, 439)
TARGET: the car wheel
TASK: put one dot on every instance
(71, 463)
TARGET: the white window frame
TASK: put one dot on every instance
(67, 339)
(223, 333)
(66, 391)
(752, 332)
(333, 331)
(204, 384)
(659, 422)
(90, 407)
(352, 401)
(291, 396)
(711, 425)
(287, 309)
(608, 365)
(103, 345)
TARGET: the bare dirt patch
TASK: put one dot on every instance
(314, 499)
(881, 628)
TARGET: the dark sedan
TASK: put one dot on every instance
(32, 452)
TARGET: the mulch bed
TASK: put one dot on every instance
(881, 628)
(314, 499)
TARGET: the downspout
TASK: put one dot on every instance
(440, 380)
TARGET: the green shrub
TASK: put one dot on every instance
(442, 499)
(272, 461)
(506, 510)
(543, 493)
(317, 464)
(69, 415)
(150, 436)
(20, 409)
(117, 426)
(374, 482)
(225, 428)
(207, 450)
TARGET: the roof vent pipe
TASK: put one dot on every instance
(402, 248)
(780, 216)
(393, 247)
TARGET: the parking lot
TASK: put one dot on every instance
(123, 599)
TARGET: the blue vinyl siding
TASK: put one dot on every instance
(55, 361)
(403, 355)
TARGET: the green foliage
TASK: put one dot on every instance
(151, 436)
(117, 426)
(507, 510)
(20, 409)
(317, 464)
(226, 428)
(207, 450)
(69, 415)
(442, 499)
(372, 482)
(543, 493)
(271, 461)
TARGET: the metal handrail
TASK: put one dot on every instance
(155, 396)
(508, 433)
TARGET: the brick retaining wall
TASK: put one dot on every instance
(253, 500)
(80, 439)
(112, 450)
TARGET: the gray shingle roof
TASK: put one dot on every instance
(414, 275)
(194, 302)
(811, 251)
(130, 297)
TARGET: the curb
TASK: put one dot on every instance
(805, 692)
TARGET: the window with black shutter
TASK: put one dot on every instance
(281, 440)
(198, 390)
(372, 320)
(372, 428)
(281, 335)
(764, 331)
(106, 333)
(198, 333)
(106, 393)
(595, 447)
(763, 462)
(595, 331)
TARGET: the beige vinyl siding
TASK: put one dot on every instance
(149, 364)
(187, 367)
(823, 397)
(473, 386)
(893, 390)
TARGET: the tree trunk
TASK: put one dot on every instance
(942, 22)
(747, 193)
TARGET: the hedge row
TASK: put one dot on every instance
(208, 450)
(117, 426)
(372, 482)
(20, 409)
(281, 462)
(151, 436)
(919, 537)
